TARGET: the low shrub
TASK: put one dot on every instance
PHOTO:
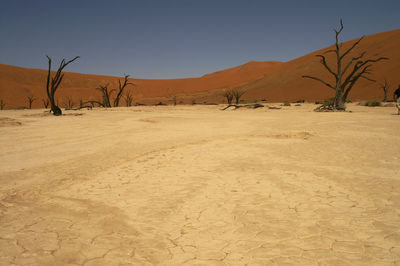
(286, 103)
(247, 101)
(371, 103)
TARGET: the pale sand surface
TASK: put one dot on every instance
(198, 186)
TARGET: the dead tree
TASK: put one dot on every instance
(31, 99)
(229, 96)
(237, 94)
(360, 65)
(69, 104)
(105, 96)
(248, 106)
(172, 96)
(121, 88)
(2, 104)
(53, 83)
(385, 87)
(128, 98)
(45, 103)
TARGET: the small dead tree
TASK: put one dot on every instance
(172, 96)
(53, 83)
(360, 65)
(385, 87)
(2, 104)
(121, 88)
(128, 98)
(31, 99)
(237, 94)
(45, 103)
(105, 95)
(68, 104)
(229, 96)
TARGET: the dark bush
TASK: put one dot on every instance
(371, 103)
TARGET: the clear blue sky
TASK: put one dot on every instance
(179, 38)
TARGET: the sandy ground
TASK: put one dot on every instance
(198, 186)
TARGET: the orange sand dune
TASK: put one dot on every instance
(274, 81)
(17, 83)
(287, 84)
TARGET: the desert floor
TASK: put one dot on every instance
(199, 186)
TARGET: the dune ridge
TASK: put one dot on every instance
(271, 80)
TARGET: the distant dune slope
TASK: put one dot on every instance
(271, 80)
(287, 83)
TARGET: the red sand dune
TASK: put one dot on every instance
(287, 84)
(274, 81)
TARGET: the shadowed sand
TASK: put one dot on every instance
(198, 186)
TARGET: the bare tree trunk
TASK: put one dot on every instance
(340, 101)
(53, 83)
(385, 87)
(128, 99)
(45, 103)
(237, 94)
(121, 88)
(31, 99)
(105, 95)
(229, 96)
(343, 85)
(385, 91)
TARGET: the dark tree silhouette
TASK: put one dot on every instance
(105, 96)
(229, 96)
(121, 88)
(360, 65)
(2, 104)
(31, 99)
(45, 103)
(237, 94)
(53, 83)
(128, 98)
(385, 87)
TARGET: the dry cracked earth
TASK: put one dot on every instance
(199, 186)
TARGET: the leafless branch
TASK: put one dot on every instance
(323, 62)
(351, 48)
(320, 80)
